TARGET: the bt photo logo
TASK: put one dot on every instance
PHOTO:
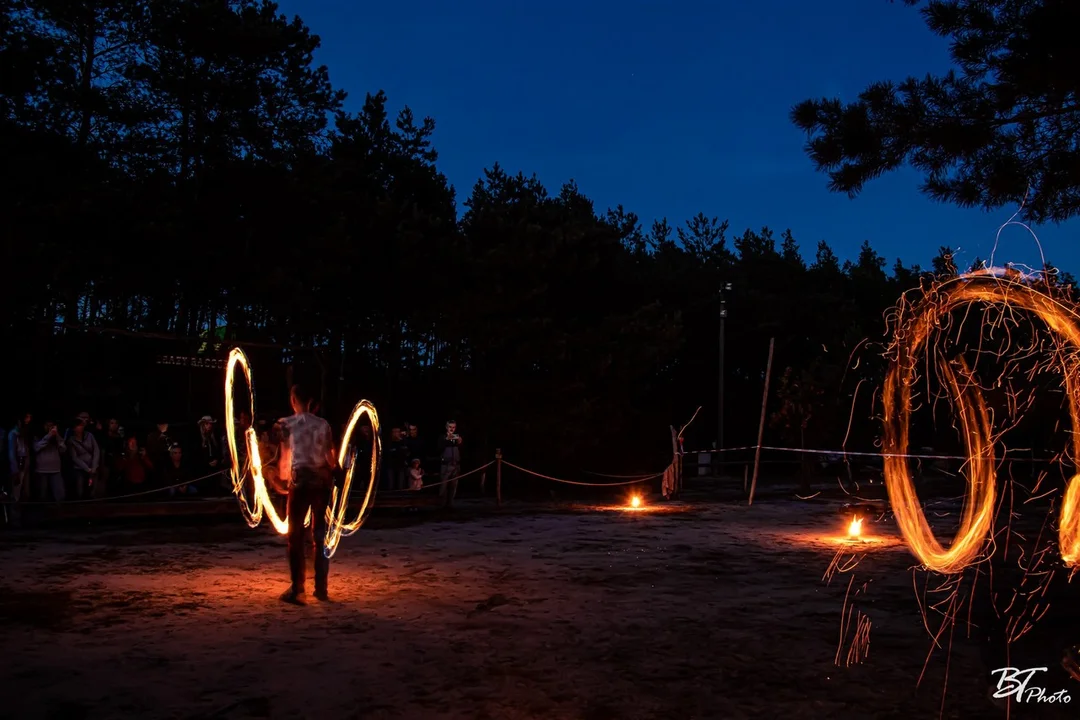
(1016, 682)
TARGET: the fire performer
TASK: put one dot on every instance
(308, 455)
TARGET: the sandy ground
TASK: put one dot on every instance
(704, 611)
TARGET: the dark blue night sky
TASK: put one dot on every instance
(669, 108)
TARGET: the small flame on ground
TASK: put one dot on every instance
(855, 528)
(635, 501)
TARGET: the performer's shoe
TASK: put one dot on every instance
(292, 597)
(322, 596)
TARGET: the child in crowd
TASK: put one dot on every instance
(175, 475)
(416, 475)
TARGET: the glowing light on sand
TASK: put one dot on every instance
(635, 501)
(854, 529)
(913, 330)
(249, 485)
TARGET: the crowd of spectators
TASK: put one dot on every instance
(92, 459)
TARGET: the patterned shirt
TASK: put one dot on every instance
(309, 439)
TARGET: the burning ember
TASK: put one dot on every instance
(855, 528)
(635, 501)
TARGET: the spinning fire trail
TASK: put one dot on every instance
(929, 330)
(259, 502)
(914, 328)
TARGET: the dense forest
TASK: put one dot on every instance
(180, 176)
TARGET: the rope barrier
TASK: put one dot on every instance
(143, 493)
(853, 453)
(626, 477)
(582, 484)
(444, 482)
(114, 497)
(722, 450)
(910, 456)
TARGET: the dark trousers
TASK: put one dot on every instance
(448, 473)
(50, 484)
(310, 490)
(395, 478)
(81, 482)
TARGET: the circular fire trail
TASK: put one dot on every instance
(915, 326)
(256, 502)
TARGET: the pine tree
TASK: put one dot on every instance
(1002, 129)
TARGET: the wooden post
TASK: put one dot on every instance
(498, 477)
(679, 477)
(483, 481)
(761, 424)
(674, 488)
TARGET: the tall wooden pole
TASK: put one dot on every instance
(761, 424)
(720, 400)
(498, 477)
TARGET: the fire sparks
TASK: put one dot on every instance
(256, 502)
(912, 337)
(854, 631)
(1012, 313)
(1070, 662)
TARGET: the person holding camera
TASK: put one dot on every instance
(48, 451)
(450, 465)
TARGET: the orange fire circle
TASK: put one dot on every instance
(910, 341)
(259, 502)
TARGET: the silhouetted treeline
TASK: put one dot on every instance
(179, 174)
